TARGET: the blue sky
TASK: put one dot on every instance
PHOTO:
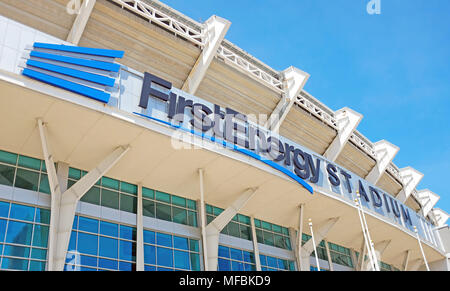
(393, 67)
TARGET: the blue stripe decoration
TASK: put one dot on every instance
(237, 149)
(70, 78)
(110, 67)
(73, 73)
(71, 86)
(81, 50)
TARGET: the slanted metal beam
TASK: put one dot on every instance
(294, 81)
(255, 244)
(215, 30)
(347, 122)
(406, 260)
(320, 234)
(80, 21)
(214, 228)
(385, 153)
(410, 178)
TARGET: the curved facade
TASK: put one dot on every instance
(135, 138)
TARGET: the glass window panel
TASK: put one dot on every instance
(107, 264)
(192, 218)
(127, 232)
(224, 265)
(124, 266)
(236, 254)
(259, 236)
(22, 212)
(249, 257)
(73, 241)
(74, 174)
(19, 233)
(209, 218)
(266, 225)
(148, 208)
(149, 254)
(16, 251)
(127, 250)
(249, 267)
(209, 209)
(181, 259)
(237, 266)
(110, 199)
(164, 197)
(92, 196)
(224, 252)
(244, 219)
(235, 218)
(164, 269)
(6, 175)
(85, 269)
(263, 260)
(88, 224)
(88, 261)
(245, 232)
(39, 254)
(163, 239)
(233, 229)
(284, 231)
(194, 245)
(37, 266)
(268, 238)
(128, 188)
(44, 186)
(40, 236)
(257, 223)
(178, 201)
(149, 268)
(283, 264)
(272, 262)
(148, 193)
(108, 247)
(217, 211)
(128, 203)
(276, 228)
(42, 216)
(179, 215)
(279, 241)
(191, 204)
(4, 209)
(26, 179)
(180, 243)
(109, 229)
(195, 262)
(15, 264)
(87, 243)
(163, 212)
(28, 162)
(7, 157)
(2, 230)
(164, 257)
(291, 266)
(110, 183)
(149, 237)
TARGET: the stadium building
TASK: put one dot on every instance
(135, 138)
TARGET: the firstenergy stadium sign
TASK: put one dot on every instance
(232, 129)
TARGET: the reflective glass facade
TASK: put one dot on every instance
(233, 259)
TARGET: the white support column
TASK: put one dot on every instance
(330, 262)
(406, 260)
(215, 30)
(214, 228)
(362, 254)
(385, 152)
(415, 265)
(410, 178)
(202, 214)
(255, 245)
(294, 81)
(428, 199)
(441, 216)
(354, 259)
(139, 232)
(379, 250)
(80, 21)
(320, 234)
(299, 236)
(63, 204)
(347, 120)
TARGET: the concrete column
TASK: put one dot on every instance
(294, 81)
(415, 265)
(406, 260)
(320, 234)
(330, 262)
(428, 199)
(139, 232)
(255, 244)
(214, 228)
(385, 153)
(80, 21)
(410, 178)
(379, 250)
(202, 214)
(215, 30)
(354, 259)
(347, 120)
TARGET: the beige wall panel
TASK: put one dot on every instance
(389, 184)
(355, 160)
(48, 16)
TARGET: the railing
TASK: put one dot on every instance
(362, 142)
(240, 62)
(304, 101)
(158, 17)
(394, 171)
